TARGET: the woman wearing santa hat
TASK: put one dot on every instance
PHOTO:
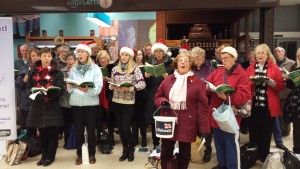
(123, 101)
(84, 100)
(161, 55)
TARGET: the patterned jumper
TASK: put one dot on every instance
(137, 80)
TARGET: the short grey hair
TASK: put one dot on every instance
(63, 47)
(196, 51)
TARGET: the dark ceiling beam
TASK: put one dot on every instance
(46, 6)
(206, 16)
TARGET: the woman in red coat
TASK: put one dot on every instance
(227, 144)
(266, 101)
(185, 93)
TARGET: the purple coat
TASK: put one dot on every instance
(193, 120)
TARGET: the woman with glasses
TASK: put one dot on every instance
(266, 101)
(21, 82)
(227, 144)
(160, 57)
(184, 93)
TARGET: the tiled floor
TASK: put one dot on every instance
(65, 159)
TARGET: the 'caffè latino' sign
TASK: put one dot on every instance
(76, 3)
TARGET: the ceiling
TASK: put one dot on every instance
(289, 2)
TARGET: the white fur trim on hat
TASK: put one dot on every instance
(182, 50)
(93, 45)
(230, 50)
(127, 50)
(83, 47)
(159, 46)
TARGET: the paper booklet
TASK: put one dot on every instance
(123, 84)
(155, 70)
(74, 83)
(259, 79)
(227, 89)
(294, 76)
(43, 89)
(104, 71)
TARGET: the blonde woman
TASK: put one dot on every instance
(124, 98)
(84, 100)
(105, 97)
(266, 101)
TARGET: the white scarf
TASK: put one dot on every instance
(178, 92)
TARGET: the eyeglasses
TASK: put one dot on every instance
(183, 60)
(158, 51)
(225, 58)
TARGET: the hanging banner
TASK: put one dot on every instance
(8, 127)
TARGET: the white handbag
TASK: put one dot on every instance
(225, 118)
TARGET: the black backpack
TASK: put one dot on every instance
(104, 144)
(248, 156)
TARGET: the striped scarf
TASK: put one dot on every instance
(260, 99)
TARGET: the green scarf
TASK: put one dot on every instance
(82, 68)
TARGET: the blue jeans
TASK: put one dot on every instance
(277, 133)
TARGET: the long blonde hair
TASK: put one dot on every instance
(298, 58)
(89, 60)
(264, 47)
(129, 66)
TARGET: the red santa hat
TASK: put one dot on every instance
(128, 50)
(159, 45)
(92, 44)
(83, 46)
(184, 48)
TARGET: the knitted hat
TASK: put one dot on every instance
(127, 50)
(184, 48)
(159, 45)
(83, 46)
(231, 51)
(92, 44)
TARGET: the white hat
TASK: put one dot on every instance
(83, 46)
(159, 45)
(230, 50)
(127, 50)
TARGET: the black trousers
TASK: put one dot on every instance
(49, 142)
(85, 117)
(123, 115)
(296, 135)
(261, 125)
(184, 155)
(155, 139)
(68, 121)
(100, 120)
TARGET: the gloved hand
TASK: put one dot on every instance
(165, 105)
(271, 82)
